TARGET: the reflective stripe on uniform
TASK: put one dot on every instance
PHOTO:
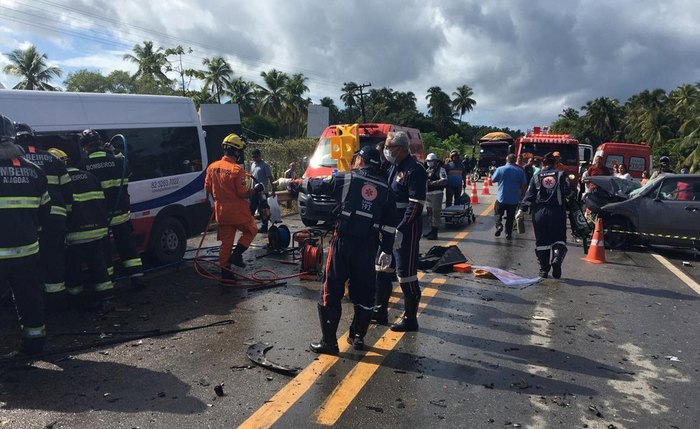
(120, 219)
(113, 183)
(86, 236)
(58, 211)
(101, 287)
(364, 214)
(34, 332)
(110, 270)
(88, 196)
(376, 182)
(45, 198)
(98, 154)
(130, 263)
(64, 179)
(20, 202)
(413, 200)
(54, 287)
(545, 247)
(20, 251)
(53, 180)
(435, 192)
(389, 229)
(413, 278)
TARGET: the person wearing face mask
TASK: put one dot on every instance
(407, 180)
(437, 181)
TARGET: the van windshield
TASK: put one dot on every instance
(568, 153)
(322, 154)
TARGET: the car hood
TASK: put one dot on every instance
(614, 185)
(627, 208)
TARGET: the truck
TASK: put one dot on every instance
(165, 148)
(334, 152)
(493, 149)
(536, 144)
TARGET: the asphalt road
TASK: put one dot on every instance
(611, 345)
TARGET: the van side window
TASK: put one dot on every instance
(614, 159)
(637, 163)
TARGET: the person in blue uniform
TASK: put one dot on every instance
(407, 180)
(546, 198)
(365, 222)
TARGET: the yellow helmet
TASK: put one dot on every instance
(233, 141)
(58, 153)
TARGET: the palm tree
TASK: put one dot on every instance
(439, 107)
(217, 76)
(463, 102)
(150, 63)
(684, 98)
(603, 118)
(294, 103)
(272, 94)
(348, 95)
(30, 65)
(242, 92)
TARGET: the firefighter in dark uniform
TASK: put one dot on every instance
(25, 207)
(114, 177)
(52, 237)
(87, 230)
(365, 221)
(546, 198)
(407, 180)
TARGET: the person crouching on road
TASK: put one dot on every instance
(407, 179)
(511, 186)
(437, 182)
(87, 229)
(225, 181)
(546, 197)
(366, 222)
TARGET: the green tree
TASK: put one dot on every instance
(30, 65)
(242, 92)
(463, 101)
(271, 95)
(439, 108)
(179, 68)
(603, 119)
(294, 105)
(333, 112)
(84, 80)
(567, 122)
(217, 76)
(120, 82)
(151, 63)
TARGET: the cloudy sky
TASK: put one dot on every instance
(525, 60)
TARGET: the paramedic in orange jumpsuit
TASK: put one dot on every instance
(226, 182)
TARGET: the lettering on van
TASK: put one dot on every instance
(17, 174)
(160, 185)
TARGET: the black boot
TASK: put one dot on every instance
(543, 260)
(329, 318)
(558, 255)
(432, 235)
(237, 256)
(226, 280)
(358, 329)
(409, 323)
(380, 314)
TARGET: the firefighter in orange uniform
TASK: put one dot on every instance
(226, 182)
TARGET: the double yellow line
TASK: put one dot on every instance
(345, 392)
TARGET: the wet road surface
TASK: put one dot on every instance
(612, 344)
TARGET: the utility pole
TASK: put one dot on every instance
(359, 89)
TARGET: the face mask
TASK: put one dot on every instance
(432, 164)
(389, 157)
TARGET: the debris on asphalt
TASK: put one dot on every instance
(219, 389)
(687, 264)
(375, 409)
(594, 409)
(488, 386)
(672, 358)
(161, 394)
(440, 403)
(399, 371)
(51, 425)
(539, 318)
(256, 353)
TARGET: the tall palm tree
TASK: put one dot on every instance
(463, 101)
(684, 98)
(439, 108)
(272, 94)
(294, 103)
(217, 76)
(348, 95)
(242, 92)
(603, 118)
(151, 63)
(30, 65)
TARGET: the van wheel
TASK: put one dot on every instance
(168, 241)
(309, 222)
(617, 240)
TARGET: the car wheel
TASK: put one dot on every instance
(309, 222)
(169, 241)
(616, 240)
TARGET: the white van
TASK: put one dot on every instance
(165, 148)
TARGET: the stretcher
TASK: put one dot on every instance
(456, 215)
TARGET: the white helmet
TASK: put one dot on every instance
(431, 157)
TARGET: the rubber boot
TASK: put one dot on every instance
(237, 256)
(409, 323)
(359, 326)
(558, 255)
(380, 315)
(329, 318)
(432, 235)
(543, 260)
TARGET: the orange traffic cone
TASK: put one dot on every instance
(469, 181)
(474, 197)
(485, 189)
(596, 251)
(487, 181)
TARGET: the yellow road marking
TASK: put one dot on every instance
(338, 401)
(678, 273)
(268, 414)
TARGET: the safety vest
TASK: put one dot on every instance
(455, 173)
(438, 175)
(25, 206)
(87, 216)
(58, 181)
(109, 169)
(548, 186)
(363, 200)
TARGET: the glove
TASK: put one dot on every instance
(283, 182)
(384, 262)
(258, 188)
(520, 214)
(398, 238)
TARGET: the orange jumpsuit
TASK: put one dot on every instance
(226, 181)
